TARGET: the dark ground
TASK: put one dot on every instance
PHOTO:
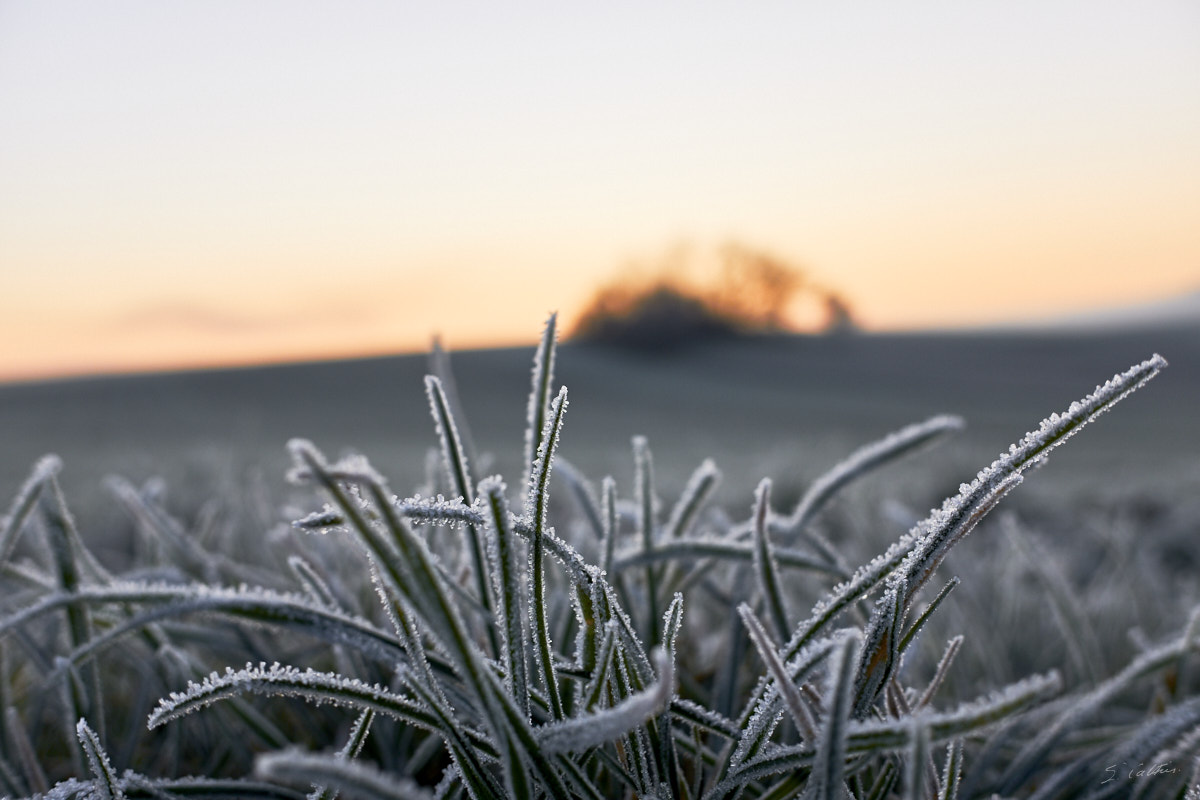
(787, 407)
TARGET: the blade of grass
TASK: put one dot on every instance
(108, 785)
(23, 504)
(458, 473)
(510, 610)
(764, 562)
(353, 779)
(644, 497)
(537, 507)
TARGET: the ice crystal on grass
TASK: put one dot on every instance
(521, 666)
(353, 781)
(108, 786)
(46, 468)
(581, 733)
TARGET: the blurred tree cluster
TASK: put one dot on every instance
(751, 293)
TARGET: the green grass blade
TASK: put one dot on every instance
(537, 508)
(917, 783)
(952, 771)
(84, 698)
(578, 734)
(612, 521)
(538, 409)
(829, 768)
(459, 475)
(867, 459)
(644, 497)
(23, 504)
(769, 653)
(31, 766)
(881, 646)
(764, 562)
(911, 634)
(939, 675)
(352, 779)
(510, 609)
(108, 785)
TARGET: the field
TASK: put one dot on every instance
(1089, 566)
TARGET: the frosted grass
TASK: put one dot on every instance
(503, 658)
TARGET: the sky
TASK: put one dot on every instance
(205, 183)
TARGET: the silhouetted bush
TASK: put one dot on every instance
(750, 296)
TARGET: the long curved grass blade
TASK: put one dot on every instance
(352, 779)
(764, 562)
(454, 455)
(510, 609)
(696, 493)
(919, 623)
(1085, 653)
(585, 496)
(31, 767)
(860, 463)
(758, 726)
(686, 511)
(259, 606)
(23, 504)
(612, 522)
(644, 497)
(967, 718)
(108, 785)
(875, 737)
(354, 745)
(439, 365)
(881, 647)
(704, 719)
(405, 563)
(866, 459)
(83, 697)
(209, 789)
(538, 409)
(185, 664)
(917, 784)
(769, 653)
(664, 728)
(155, 521)
(594, 690)
(458, 473)
(578, 734)
(952, 771)
(722, 549)
(945, 525)
(1035, 751)
(887, 779)
(829, 767)
(1138, 746)
(403, 559)
(939, 675)
(537, 507)
(314, 585)
(283, 681)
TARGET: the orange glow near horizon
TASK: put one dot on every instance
(215, 184)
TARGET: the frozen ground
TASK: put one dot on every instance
(1085, 568)
(784, 407)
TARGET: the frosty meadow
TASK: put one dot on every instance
(483, 642)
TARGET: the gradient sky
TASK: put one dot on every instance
(229, 182)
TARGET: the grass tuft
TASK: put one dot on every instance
(387, 658)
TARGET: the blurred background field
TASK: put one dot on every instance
(787, 407)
